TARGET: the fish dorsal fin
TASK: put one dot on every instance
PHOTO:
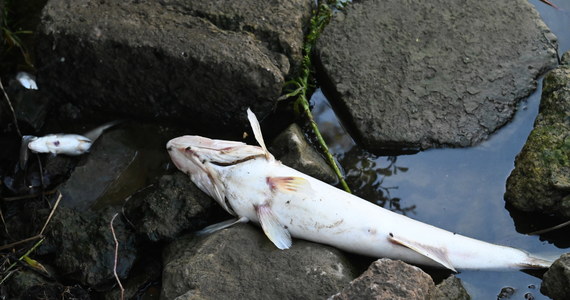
(222, 225)
(438, 255)
(257, 131)
(289, 184)
(274, 230)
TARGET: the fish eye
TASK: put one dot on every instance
(56, 143)
(188, 148)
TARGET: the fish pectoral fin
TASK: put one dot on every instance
(222, 225)
(290, 184)
(436, 254)
(274, 230)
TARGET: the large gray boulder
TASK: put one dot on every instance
(420, 74)
(196, 62)
(540, 180)
(241, 263)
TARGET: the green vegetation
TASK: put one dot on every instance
(11, 38)
(301, 86)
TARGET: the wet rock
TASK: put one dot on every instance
(240, 262)
(104, 169)
(291, 148)
(540, 180)
(556, 281)
(173, 205)
(450, 289)
(506, 293)
(84, 248)
(389, 279)
(450, 82)
(179, 60)
(29, 285)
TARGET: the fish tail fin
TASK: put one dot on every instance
(534, 262)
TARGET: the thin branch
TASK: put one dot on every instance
(51, 214)
(550, 228)
(11, 108)
(15, 198)
(35, 237)
(116, 257)
(39, 235)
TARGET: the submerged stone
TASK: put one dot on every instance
(194, 62)
(540, 180)
(109, 160)
(422, 74)
(241, 262)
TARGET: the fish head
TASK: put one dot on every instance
(68, 144)
(204, 159)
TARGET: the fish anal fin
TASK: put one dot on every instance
(274, 230)
(289, 184)
(439, 255)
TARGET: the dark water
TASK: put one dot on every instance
(460, 190)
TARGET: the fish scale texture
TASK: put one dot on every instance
(421, 74)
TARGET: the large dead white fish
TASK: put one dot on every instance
(250, 184)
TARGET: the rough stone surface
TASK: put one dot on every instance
(450, 289)
(556, 281)
(84, 248)
(291, 148)
(389, 279)
(241, 263)
(163, 211)
(449, 81)
(194, 62)
(540, 180)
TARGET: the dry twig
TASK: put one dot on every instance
(116, 257)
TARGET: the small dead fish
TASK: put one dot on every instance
(27, 80)
(68, 144)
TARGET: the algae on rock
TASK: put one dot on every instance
(541, 178)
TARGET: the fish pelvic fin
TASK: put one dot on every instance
(222, 225)
(439, 255)
(290, 184)
(257, 132)
(274, 230)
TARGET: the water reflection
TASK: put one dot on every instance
(365, 174)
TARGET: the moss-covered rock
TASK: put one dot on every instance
(541, 178)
